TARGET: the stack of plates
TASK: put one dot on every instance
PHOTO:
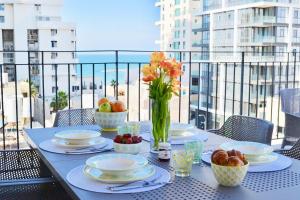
(255, 153)
(118, 168)
(78, 138)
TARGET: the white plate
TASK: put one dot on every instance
(117, 163)
(263, 159)
(250, 149)
(77, 134)
(93, 142)
(178, 129)
(184, 135)
(137, 175)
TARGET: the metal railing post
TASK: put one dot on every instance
(242, 83)
(29, 85)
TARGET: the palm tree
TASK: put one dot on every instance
(61, 102)
(113, 84)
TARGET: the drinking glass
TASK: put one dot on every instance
(130, 127)
(133, 127)
(195, 146)
(182, 162)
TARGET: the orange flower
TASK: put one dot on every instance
(149, 78)
(175, 85)
(157, 57)
(149, 70)
(166, 65)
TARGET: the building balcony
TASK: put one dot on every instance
(200, 44)
(33, 47)
(259, 21)
(258, 41)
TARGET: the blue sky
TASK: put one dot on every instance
(113, 24)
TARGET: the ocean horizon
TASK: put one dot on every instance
(134, 61)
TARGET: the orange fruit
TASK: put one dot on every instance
(118, 106)
(103, 100)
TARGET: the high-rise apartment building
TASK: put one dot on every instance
(35, 26)
(175, 27)
(265, 31)
(220, 30)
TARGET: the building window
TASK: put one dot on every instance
(54, 66)
(1, 7)
(177, 2)
(177, 23)
(183, 45)
(281, 32)
(54, 89)
(53, 32)
(177, 11)
(183, 33)
(295, 33)
(73, 32)
(1, 19)
(53, 43)
(184, 22)
(53, 55)
(37, 7)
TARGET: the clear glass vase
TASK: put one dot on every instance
(160, 123)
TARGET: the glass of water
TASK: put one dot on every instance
(182, 162)
(195, 146)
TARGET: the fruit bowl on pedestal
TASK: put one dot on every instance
(128, 144)
(110, 114)
(109, 121)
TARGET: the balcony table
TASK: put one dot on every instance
(200, 185)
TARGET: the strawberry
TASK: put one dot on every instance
(127, 135)
(118, 139)
(135, 139)
(129, 141)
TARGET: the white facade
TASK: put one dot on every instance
(36, 25)
(175, 29)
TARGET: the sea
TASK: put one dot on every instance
(125, 61)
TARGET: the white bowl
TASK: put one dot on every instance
(117, 164)
(109, 121)
(77, 137)
(250, 149)
(228, 175)
(128, 148)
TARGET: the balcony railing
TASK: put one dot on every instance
(212, 90)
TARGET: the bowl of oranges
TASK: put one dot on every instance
(110, 114)
(229, 167)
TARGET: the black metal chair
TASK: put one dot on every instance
(294, 152)
(74, 117)
(245, 128)
(290, 105)
(24, 176)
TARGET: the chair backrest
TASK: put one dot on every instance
(294, 152)
(74, 117)
(245, 128)
(290, 101)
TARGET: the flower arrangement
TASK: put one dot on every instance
(162, 77)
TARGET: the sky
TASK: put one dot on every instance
(113, 24)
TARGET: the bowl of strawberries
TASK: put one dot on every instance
(128, 143)
(229, 167)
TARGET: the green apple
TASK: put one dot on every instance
(105, 107)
